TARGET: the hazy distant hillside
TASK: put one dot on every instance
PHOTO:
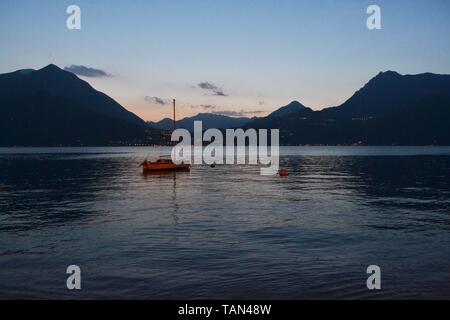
(209, 120)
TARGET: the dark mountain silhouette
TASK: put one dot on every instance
(51, 106)
(164, 124)
(276, 118)
(292, 107)
(390, 91)
(57, 82)
(390, 109)
(209, 120)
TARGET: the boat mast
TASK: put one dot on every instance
(174, 121)
(174, 126)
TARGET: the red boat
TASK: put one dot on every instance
(163, 164)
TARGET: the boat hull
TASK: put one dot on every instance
(155, 167)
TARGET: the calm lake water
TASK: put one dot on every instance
(226, 232)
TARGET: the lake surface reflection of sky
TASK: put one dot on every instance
(225, 232)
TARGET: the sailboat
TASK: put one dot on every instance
(164, 163)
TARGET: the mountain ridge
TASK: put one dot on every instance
(209, 120)
(50, 107)
(61, 83)
(369, 115)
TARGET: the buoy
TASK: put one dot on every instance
(283, 173)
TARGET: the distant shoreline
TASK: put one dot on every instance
(159, 146)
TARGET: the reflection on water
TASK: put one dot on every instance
(225, 232)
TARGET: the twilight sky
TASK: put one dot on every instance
(237, 57)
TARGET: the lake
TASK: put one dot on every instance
(226, 232)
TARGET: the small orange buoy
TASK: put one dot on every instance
(283, 173)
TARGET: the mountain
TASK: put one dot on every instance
(390, 109)
(164, 124)
(292, 107)
(57, 82)
(276, 118)
(390, 91)
(51, 106)
(209, 120)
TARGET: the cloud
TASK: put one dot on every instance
(225, 112)
(204, 106)
(207, 86)
(217, 91)
(255, 112)
(208, 107)
(87, 71)
(234, 113)
(229, 113)
(157, 100)
(220, 93)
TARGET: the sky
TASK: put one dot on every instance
(234, 57)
